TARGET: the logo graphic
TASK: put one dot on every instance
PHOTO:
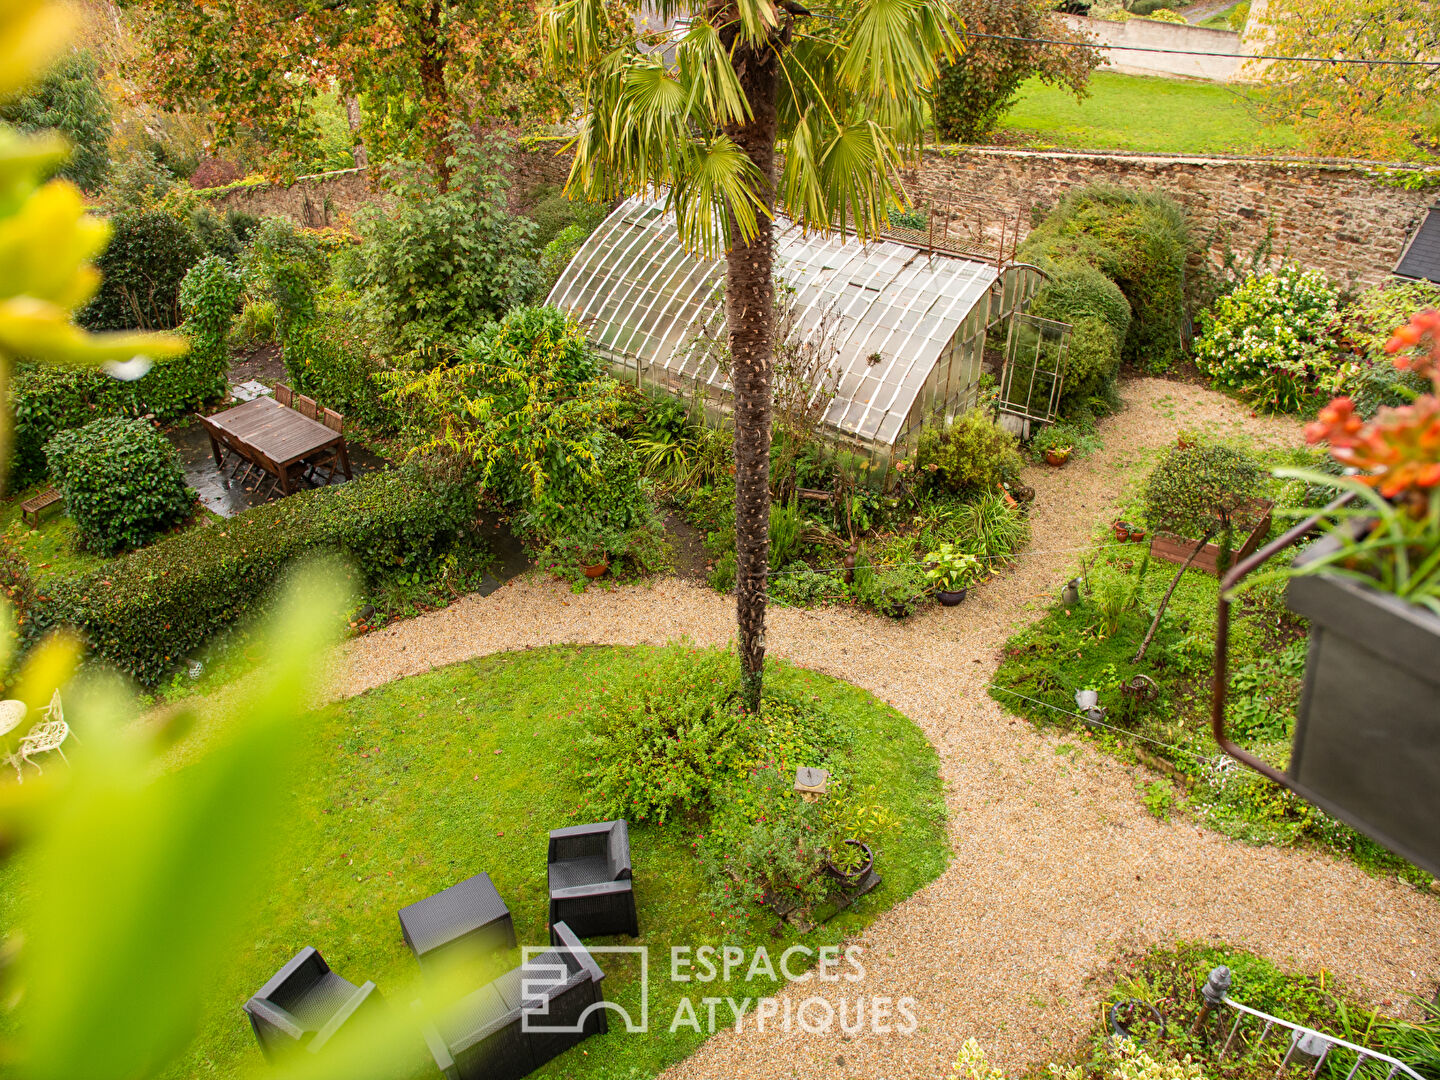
(553, 978)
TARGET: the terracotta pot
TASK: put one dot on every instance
(1136, 535)
(595, 571)
(1122, 530)
(1057, 457)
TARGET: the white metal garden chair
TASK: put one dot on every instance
(49, 734)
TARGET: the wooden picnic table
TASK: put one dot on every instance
(272, 436)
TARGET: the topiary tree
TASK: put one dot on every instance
(70, 100)
(149, 255)
(122, 482)
(207, 300)
(1196, 490)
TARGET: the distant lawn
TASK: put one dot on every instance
(425, 781)
(1136, 112)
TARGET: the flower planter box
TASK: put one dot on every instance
(1177, 549)
(1367, 737)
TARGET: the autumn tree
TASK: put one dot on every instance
(698, 111)
(978, 89)
(1359, 110)
(418, 66)
(69, 100)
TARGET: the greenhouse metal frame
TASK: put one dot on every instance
(909, 325)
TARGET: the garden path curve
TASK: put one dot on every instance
(1057, 867)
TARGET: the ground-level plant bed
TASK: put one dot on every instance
(426, 781)
(1168, 979)
(1091, 645)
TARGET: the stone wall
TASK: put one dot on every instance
(1334, 217)
(328, 198)
(1331, 216)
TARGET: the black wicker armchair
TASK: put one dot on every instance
(517, 1023)
(305, 1005)
(591, 890)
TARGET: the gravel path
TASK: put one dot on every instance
(1057, 866)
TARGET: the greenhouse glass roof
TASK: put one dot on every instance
(893, 309)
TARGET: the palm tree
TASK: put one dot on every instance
(697, 110)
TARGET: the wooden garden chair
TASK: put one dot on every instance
(307, 407)
(283, 394)
(329, 460)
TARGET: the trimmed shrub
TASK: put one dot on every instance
(149, 254)
(1269, 340)
(45, 400)
(207, 300)
(1198, 486)
(122, 483)
(1099, 316)
(333, 359)
(972, 454)
(153, 608)
(1140, 241)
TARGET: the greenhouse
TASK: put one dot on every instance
(906, 327)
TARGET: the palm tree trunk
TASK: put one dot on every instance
(750, 311)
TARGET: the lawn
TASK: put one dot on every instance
(1137, 112)
(421, 783)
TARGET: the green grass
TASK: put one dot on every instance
(52, 550)
(421, 783)
(1136, 112)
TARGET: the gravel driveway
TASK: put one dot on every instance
(1057, 866)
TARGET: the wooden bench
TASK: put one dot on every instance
(30, 508)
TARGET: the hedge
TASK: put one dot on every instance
(1099, 315)
(152, 609)
(45, 400)
(1139, 240)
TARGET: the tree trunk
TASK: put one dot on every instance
(750, 310)
(1164, 600)
(435, 95)
(352, 117)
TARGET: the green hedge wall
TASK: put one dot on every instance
(1140, 241)
(151, 609)
(45, 400)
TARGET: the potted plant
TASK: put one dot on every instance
(1058, 455)
(951, 571)
(1364, 740)
(1121, 530)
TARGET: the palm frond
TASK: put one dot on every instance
(895, 47)
(573, 34)
(705, 69)
(758, 20)
(716, 189)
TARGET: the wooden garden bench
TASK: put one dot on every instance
(30, 508)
